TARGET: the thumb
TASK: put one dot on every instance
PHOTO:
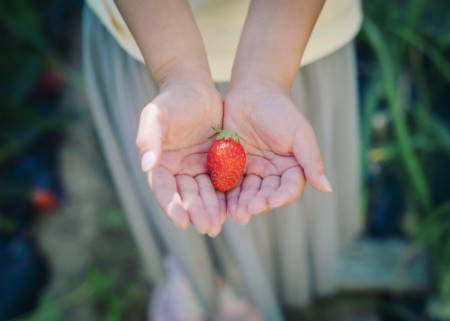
(307, 153)
(150, 134)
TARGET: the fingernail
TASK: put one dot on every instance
(148, 160)
(325, 183)
(276, 204)
(213, 234)
(182, 225)
(202, 227)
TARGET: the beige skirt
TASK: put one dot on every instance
(284, 258)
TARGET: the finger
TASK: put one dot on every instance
(222, 206)
(260, 203)
(291, 186)
(194, 164)
(193, 203)
(306, 151)
(232, 201)
(150, 134)
(164, 186)
(250, 186)
(210, 203)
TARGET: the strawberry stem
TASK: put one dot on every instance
(227, 134)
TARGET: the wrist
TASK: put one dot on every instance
(257, 86)
(260, 81)
(181, 72)
(254, 93)
(191, 86)
(182, 83)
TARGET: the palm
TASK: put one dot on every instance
(185, 118)
(269, 125)
(188, 137)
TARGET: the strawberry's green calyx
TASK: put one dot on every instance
(226, 134)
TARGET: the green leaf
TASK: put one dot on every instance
(434, 226)
(389, 77)
(436, 128)
(48, 310)
(436, 57)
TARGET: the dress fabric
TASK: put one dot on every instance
(284, 258)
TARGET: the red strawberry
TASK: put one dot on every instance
(51, 81)
(44, 200)
(226, 160)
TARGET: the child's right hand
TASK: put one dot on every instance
(174, 134)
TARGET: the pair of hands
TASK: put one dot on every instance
(174, 135)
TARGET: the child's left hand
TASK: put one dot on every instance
(281, 150)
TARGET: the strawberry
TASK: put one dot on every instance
(44, 200)
(226, 160)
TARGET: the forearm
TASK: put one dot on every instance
(273, 41)
(168, 38)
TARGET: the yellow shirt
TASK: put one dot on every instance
(221, 21)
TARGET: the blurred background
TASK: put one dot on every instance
(65, 250)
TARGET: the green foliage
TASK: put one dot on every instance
(410, 80)
(27, 114)
(48, 310)
(26, 47)
(397, 112)
(101, 289)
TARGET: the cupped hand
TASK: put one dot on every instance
(282, 151)
(174, 134)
